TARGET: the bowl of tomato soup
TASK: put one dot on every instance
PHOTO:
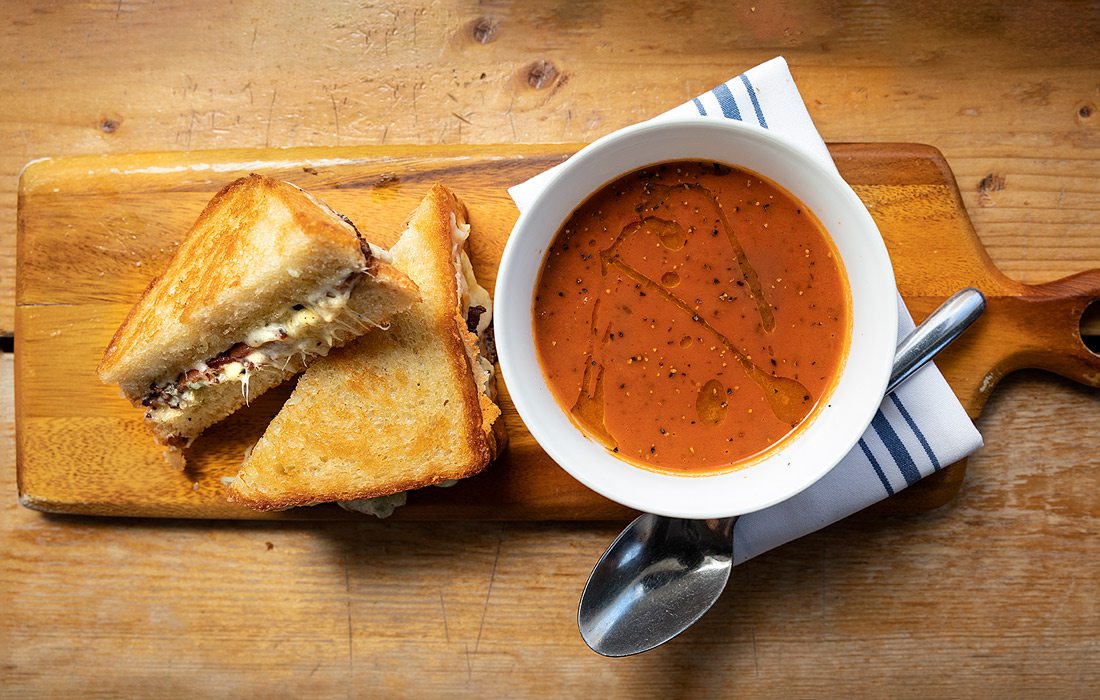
(695, 318)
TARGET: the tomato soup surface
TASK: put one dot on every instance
(690, 315)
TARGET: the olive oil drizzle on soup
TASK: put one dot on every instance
(691, 315)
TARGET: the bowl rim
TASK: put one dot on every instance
(505, 299)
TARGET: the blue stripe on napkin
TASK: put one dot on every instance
(699, 106)
(890, 439)
(755, 102)
(917, 432)
(726, 102)
(874, 465)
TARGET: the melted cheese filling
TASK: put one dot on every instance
(471, 294)
(379, 507)
(309, 328)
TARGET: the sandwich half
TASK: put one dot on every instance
(411, 407)
(267, 279)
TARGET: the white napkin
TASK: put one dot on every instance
(918, 429)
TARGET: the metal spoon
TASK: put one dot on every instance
(662, 574)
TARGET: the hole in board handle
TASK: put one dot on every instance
(1090, 327)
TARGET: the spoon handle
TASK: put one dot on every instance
(936, 332)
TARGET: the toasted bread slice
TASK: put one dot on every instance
(267, 278)
(368, 306)
(398, 410)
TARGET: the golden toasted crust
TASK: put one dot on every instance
(485, 433)
(369, 305)
(394, 410)
(258, 247)
(259, 502)
(433, 217)
(233, 255)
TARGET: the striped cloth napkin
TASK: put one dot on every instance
(919, 428)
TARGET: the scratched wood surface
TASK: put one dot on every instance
(993, 595)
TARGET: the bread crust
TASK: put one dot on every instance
(272, 504)
(378, 304)
(434, 216)
(196, 275)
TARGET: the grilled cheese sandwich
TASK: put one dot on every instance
(267, 279)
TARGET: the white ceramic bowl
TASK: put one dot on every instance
(803, 458)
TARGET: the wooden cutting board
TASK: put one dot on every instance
(94, 230)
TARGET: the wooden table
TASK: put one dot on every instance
(995, 594)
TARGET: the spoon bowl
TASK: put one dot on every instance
(656, 567)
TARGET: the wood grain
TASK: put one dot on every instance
(94, 231)
(994, 595)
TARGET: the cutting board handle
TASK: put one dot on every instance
(1052, 317)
